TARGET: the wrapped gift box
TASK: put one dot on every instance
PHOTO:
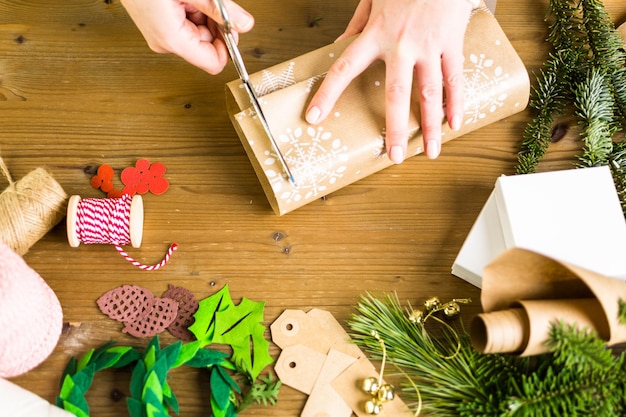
(349, 144)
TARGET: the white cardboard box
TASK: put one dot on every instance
(573, 215)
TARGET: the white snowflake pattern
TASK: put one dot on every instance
(315, 158)
(484, 88)
(271, 82)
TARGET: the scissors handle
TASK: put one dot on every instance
(226, 29)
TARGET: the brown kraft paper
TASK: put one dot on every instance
(349, 144)
(524, 293)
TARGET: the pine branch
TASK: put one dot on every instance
(579, 377)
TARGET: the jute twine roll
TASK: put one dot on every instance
(29, 208)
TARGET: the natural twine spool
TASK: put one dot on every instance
(29, 208)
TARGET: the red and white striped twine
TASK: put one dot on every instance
(108, 221)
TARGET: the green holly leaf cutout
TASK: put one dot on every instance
(219, 320)
(206, 315)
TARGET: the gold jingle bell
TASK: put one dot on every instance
(373, 407)
(386, 393)
(416, 316)
(452, 310)
(432, 303)
(370, 385)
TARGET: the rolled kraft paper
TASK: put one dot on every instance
(30, 316)
(19, 402)
(622, 31)
(29, 208)
(349, 144)
(521, 274)
(525, 329)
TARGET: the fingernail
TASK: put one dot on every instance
(433, 148)
(313, 115)
(245, 22)
(396, 154)
(455, 123)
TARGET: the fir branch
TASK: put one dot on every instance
(617, 163)
(618, 80)
(594, 105)
(263, 391)
(577, 350)
(547, 98)
(604, 42)
(587, 66)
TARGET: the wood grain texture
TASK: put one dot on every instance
(79, 88)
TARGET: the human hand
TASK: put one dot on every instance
(188, 29)
(421, 37)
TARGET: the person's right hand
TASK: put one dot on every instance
(188, 29)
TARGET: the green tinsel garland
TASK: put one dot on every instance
(580, 376)
(585, 68)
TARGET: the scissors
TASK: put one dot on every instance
(235, 55)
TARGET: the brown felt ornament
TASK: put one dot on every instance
(187, 306)
(162, 314)
(127, 303)
(143, 314)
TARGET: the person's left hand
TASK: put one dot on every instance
(413, 37)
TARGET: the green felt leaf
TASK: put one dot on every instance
(161, 369)
(169, 399)
(228, 379)
(170, 353)
(153, 411)
(84, 378)
(84, 360)
(187, 351)
(70, 368)
(136, 380)
(220, 388)
(151, 399)
(232, 410)
(75, 410)
(127, 354)
(149, 357)
(135, 407)
(205, 317)
(154, 343)
(77, 397)
(99, 352)
(152, 385)
(217, 410)
(207, 357)
(66, 387)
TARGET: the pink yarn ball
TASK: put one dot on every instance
(31, 318)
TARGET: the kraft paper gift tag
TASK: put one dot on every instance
(349, 144)
(524, 293)
(319, 358)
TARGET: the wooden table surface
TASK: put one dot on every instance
(80, 88)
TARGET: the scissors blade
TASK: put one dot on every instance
(237, 59)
